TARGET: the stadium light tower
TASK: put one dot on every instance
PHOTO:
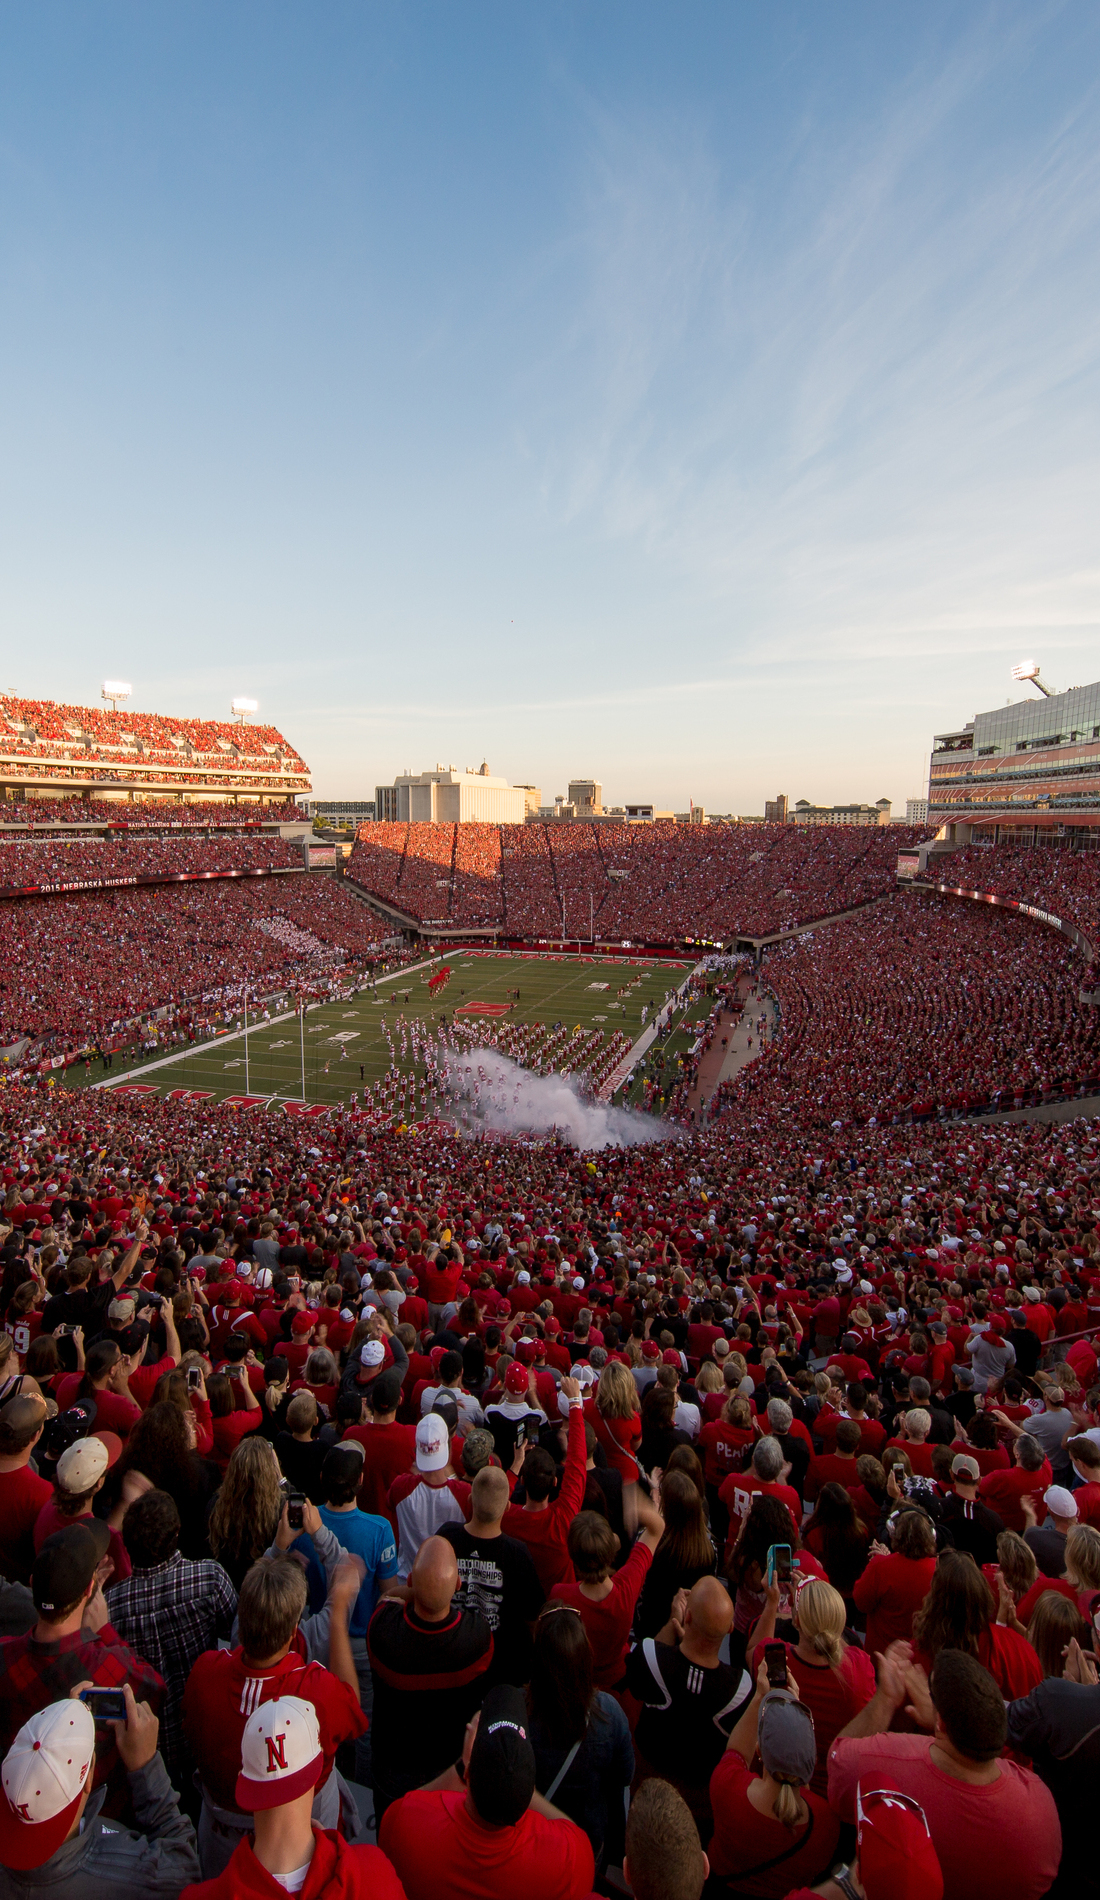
(1028, 671)
(114, 690)
(242, 707)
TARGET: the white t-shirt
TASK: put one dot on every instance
(295, 1881)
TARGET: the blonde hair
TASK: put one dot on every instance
(247, 1509)
(788, 1807)
(617, 1394)
(709, 1379)
(918, 1423)
(1083, 1557)
(820, 1616)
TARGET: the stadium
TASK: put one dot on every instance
(725, 1194)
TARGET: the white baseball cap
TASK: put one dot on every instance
(264, 1278)
(578, 1284)
(372, 1353)
(43, 1777)
(82, 1465)
(523, 1278)
(281, 1754)
(433, 1448)
(1059, 1501)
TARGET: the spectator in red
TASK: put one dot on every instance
(1004, 1491)
(993, 1824)
(23, 1494)
(960, 1612)
(896, 1581)
(604, 1597)
(282, 1762)
(481, 1829)
(542, 1524)
(226, 1685)
(771, 1832)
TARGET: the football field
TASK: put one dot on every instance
(320, 1057)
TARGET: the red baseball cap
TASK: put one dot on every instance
(897, 1860)
(515, 1380)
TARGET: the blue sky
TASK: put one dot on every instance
(703, 398)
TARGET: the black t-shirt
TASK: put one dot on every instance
(301, 1463)
(689, 1712)
(428, 1680)
(973, 1527)
(498, 1580)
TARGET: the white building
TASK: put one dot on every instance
(447, 796)
(916, 811)
(877, 814)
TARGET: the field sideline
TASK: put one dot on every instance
(571, 991)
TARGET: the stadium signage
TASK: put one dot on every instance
(128, 883)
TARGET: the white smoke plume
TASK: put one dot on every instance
(492, 1095)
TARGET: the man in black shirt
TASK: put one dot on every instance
(973, 1526)
(691, 1698)
(429, 1661)
(497, 1577)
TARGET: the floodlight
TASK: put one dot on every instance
(1028, 673)
(246, 705)
(114, 690)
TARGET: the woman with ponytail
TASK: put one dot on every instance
(772, 1834)
(837, 1678)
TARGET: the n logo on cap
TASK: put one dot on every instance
(276, 1753)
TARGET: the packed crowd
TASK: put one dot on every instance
(747, 1484)
(145, 814)
(27, 724)
(917, 1007)
(42, 862)
(1066, 883)
(79, 966)
(626, 883)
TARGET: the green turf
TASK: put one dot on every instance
(550, 991)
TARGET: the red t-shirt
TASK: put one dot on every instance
(223, 1690)
(1007, 1655)
(832, 1696)
(744, 1837)
(608, 1622)
(992, 1840)
(113, 1413)
(723, 1447)
(890, 1592)
(737, 1495)
(143, 1382)
(546, 1532)
(228, 1433)
(23, 1494)
(620, 1438)
(49, 1519)
(1002, 1491)
(437, 1847)
(1087, 1500)
(388, 1450)
(831, 1468)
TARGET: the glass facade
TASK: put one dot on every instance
(1039, 755)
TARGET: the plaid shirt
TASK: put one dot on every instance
(32, 1675)
(171, 1614)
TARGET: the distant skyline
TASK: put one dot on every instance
(704, 400)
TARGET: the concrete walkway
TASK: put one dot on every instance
(743, 1046)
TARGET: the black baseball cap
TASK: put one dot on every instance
(66, 1564)
(501, 1774)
